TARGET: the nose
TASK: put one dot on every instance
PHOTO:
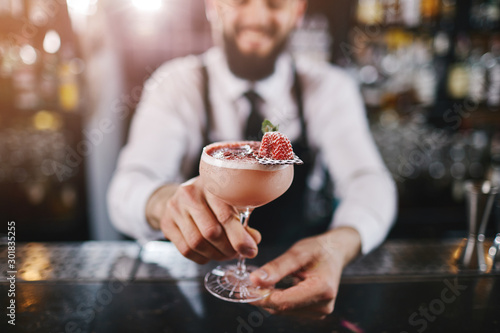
(257, 12)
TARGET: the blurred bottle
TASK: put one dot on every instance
(494, 170)
(448, 13)
(477, 75)
(392, 10)
(410, 12)
(430, 11)
(494, 14)
(8, 61)
(24, 75)
(458, 75)
(494, 176)
(441, 44)
(49, 80)
(312, 38)
(425, 78)
(24, 82)
(493, 67)
(485, 14)
(477, 14)
(370, 12)
(69, 95)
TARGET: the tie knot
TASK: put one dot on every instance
(255, 119)
(252, 96)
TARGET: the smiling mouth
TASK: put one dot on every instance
(259, 31)
(253, 34)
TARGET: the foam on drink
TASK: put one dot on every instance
(236, 155)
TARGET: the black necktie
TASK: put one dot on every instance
(255, 119)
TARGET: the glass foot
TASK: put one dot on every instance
(225, 283)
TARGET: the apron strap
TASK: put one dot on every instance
(205, 86)
(297, 93)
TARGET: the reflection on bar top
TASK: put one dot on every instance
(160, 261)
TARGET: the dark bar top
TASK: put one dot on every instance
(403, 286)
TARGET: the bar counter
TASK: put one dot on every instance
(403, 286)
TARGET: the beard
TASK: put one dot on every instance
(252, 67)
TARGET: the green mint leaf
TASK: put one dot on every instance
(268, 126)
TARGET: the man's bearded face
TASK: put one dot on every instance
(255, 32)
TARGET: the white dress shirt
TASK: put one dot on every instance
(166, 138)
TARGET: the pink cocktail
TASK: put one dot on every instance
(231, 172)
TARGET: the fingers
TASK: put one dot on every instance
(308, 292)
(196, 243)
(203, 227)
(315, 312)
(206, 227)
(221, 210)
(240, 240)
(314, 296)
(169, 228)
(288, 263)
(311, 298)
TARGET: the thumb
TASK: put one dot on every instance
(272, 272)
(257, 237)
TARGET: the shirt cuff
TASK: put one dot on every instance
(129, 208)
(143, 231)
(371, 230)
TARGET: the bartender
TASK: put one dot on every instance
(224, 94)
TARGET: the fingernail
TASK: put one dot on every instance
(249, 251)
(262, 274)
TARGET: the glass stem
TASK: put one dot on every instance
(241, 268)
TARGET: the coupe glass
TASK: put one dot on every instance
(235, 177)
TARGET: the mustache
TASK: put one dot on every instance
(269, 30)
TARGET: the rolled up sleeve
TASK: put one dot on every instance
(364, 188)
(153, 156)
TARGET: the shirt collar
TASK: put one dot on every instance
(270, 89)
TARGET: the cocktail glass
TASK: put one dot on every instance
(235, 176)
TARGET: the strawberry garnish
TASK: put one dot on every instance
(274, 145)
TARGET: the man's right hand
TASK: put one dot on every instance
(200, 225)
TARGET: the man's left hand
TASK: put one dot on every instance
(317, 263)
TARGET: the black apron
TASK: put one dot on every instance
(294, 215)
